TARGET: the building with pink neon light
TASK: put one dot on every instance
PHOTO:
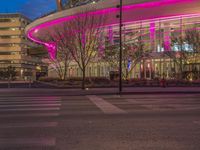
(155, 21)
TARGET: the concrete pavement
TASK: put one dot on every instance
(97, 91)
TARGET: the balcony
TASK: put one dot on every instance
(11, 48)
(10, 40)
(10, 32)
(10, 24)
(10, 57)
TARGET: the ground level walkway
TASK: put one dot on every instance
(98, 91)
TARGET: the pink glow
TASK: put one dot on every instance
(152, 34)
(137, 8)
(167, 43)
(51, 47)
(83, 40)
(101, 46)
(167, 39)
(125, 8)
(110, 34)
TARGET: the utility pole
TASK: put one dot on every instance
(59, 5)
(120, 46)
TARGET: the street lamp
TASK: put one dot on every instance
(59, 5)
(120, 45)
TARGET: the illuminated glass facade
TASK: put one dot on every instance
(157, 23)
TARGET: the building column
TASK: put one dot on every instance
(152, 31)
(167, 38)
(110, 35)
(101, 47)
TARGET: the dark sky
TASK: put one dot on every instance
(30, 8)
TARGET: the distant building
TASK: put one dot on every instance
(14, 47)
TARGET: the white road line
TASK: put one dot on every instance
(13, 142)
(29, 102)
(186, 106)
(149, 105)
(29, 105)
(31, 97)
(30, 115)
(196, 122)
(156, 105)
(28, 99)
(29, 109)
(133, 101)
(105, 106)
(29, 124)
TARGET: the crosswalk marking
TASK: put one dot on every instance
(29, 105)
(29, 109)
(29, 101)
(136, 102)
(16, 142)
(184, 106)
(44, 114)
(32, 104)
(196, 122)
(159, 105)
(29, 124)
(105, 106)
(21, 108)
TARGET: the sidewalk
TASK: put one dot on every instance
(98, 91)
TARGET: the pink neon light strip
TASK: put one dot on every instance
(104, 11)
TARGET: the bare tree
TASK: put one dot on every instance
(179, 57)
(192, 38)
(188, 45)
(133, 52)
(82, 35)
(61, 63)
(63, 56)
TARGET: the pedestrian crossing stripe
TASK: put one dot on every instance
(105, 106)
(18, 142)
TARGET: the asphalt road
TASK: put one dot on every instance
(103, 122)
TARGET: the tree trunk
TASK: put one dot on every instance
(65, 70)
(181, 67)
(127, 73)
(83, 79)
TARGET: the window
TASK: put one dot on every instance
(8, 37)
(6, 45)
(6, 28)
(5, 53)
(5, 20)
(5, 62)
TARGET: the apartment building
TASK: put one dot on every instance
(14, 47)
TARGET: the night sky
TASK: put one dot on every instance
(30, 8)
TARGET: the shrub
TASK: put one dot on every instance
(99, 80)
(49, 79)
(89, 80)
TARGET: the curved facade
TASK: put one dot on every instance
(156, 21)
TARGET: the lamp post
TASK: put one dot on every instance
(59, 5)
(120, 46)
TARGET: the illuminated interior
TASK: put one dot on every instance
(155, 21)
